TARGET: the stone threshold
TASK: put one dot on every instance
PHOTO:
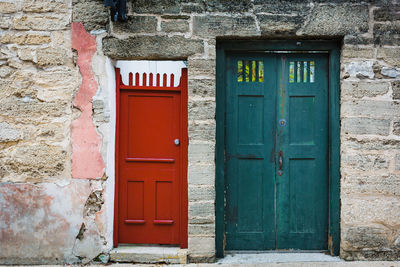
(236, 257)
(148, 254)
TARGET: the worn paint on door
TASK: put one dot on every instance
(152, 162)
(276, 152)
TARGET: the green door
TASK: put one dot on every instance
(276, 151)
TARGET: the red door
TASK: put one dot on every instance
(151, 193)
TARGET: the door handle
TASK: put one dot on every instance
(177, 142)
(280, 172)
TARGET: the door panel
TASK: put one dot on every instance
(149, 164)
(249, 154)
(276, 152)
(302, 189)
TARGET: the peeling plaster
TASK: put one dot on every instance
(87, 161)
(41, 220)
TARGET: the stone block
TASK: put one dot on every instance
(360, 69)
(201, 193)
(337, 20)
(358, 39)
(396, 89)
(397, 162)
(55, 85)
(396, 127)
(370, 108)
(175, 16)
(369, 143)
(42, 6)
(15, 85)
(387, 13)
(29, 110)
(390, 54)
(201, 174)
(202, 110)
(192, 8)
(14, 63)
(359, 210)
(6, 71)
(7, 52)
(212, 25)
(201, 249)
(148, 47)
(202, 87)
(175, 26)
(51, 56)
(136, 24)
(200, 245)
(366, 185)
(361, 89)
(49, 132)
(201, 67)
(149, 254)
(201, 230)
(362, 237)
(5, 22)
(390, 72)
(233, 6)
(41, 23)
(92, 14)
(201, 209)
(279, 24)
(8, 7)
(60, 38)
(202, 220)
(361, 162)
(365, 126)
(357, 52)
(9, 133)
(286, 7)
(36, 162)
(30, 39)
(156, 6)
(29, 207)
(373, 255)
(201, 153)
(202, 130)
(387, 34)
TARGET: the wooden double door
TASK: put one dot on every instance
(276, 151)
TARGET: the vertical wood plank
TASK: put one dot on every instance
(130, 78)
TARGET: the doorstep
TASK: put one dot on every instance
(148, 254)
(233, 257)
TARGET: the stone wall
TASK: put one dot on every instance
(46, 215)
(39, 79)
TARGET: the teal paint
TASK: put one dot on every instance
(302, 191)
(249, 212)
(254, 224)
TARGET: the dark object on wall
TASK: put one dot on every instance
(118, 9)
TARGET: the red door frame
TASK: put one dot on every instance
(183, 88)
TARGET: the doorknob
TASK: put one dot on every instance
(177, 142)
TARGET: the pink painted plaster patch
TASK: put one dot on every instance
(87, 162)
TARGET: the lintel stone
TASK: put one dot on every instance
(151, 47)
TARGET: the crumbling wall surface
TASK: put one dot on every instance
(46, 216)
(370, 135)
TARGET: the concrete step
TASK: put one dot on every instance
(148, 254)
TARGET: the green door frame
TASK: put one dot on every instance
(333, 48)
